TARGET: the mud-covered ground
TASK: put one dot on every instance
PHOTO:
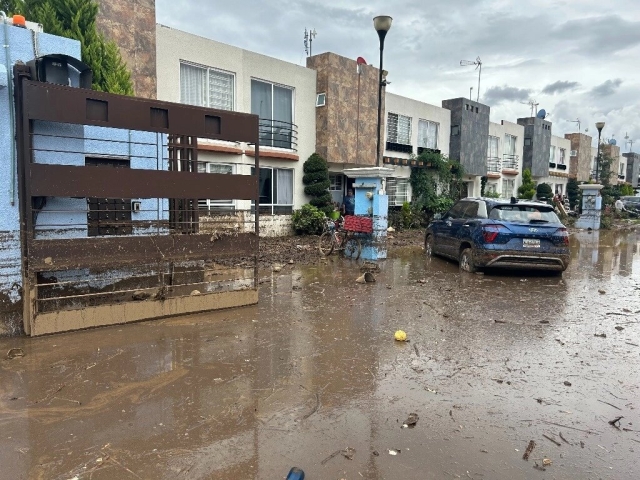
(313, 377)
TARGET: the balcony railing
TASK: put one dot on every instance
(422, 150)
(552, 165)
(561, 166)
(493, 165)
(399, 147)
(275, 133)
(510, 162)
(621, 177)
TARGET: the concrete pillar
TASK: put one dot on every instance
(372, 201)
(591, 206)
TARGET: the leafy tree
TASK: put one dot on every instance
(544, 191)
(626, 190)
(77, 19)
(528, 188)
(573, 192)
(437, 187)
(308, 220)
(483, 185)
(316, 181)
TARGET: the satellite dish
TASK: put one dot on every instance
(542, 113)
(613, 141)
(361, 61)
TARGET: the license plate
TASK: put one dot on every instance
(530, 243)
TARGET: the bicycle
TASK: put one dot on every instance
(336, 238)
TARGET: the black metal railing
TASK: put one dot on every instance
(621, 177)
(493, 165)
(552, 165)
(561, 166)
(279, 134)
(510, 161)
(422, 150)
(399, 147)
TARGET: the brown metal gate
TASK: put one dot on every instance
(112, 269)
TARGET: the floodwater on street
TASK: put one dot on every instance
(312, 377)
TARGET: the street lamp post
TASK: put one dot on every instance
(382, 24)
(599, 126)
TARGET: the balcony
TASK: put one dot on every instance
(493, 167)
(621, 177)
(278, 134)
(399, 147)
(561, 166)
(422, 150)
(510, 162)
(552, 165)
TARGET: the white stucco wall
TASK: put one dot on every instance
(500, 130)
(174, 45)
(556, 180)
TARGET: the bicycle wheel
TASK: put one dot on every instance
(353, 248)
(326, 243)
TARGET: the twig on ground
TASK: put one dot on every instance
(566, 426)
(337, 452)
(563, 439)
(552, 440)
(614, 421)
(529, 449)
(610, 404)
(415, 347)
(315, 409)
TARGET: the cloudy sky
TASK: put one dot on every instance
(576, 58)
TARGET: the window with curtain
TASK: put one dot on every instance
(428, 134)
(507, 188)
(206, 87)
(399, 129)
(492, 148)
(398, 191)
(216, 205)
(552, 154)
(509, 145)
(563, 154)
(276, 190)
(274, 105)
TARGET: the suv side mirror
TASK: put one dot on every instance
(437, 216)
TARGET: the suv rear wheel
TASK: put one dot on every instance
(466, 261)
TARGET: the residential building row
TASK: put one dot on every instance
(330, 106)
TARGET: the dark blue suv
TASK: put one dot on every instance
(490, 233)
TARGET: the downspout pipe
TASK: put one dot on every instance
(12, 116)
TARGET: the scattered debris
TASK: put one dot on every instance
(366, 277)
(370, 267)
(499, 321)
(315, 409)
(348, 453)
(581, 444)
(563, 439)
(610, 404)
(566, 426)
(601, 292)
(529, 449)
(544, 321)
(276, 267)
(619, 328)
(614, 421)
(400, 336)
(546, 462)
(552, 440)
(411, 421)
(567, 383)
(538, 467)
(394, 451)
(632, 344)
(415, 347)
(376, 453)
(15, 352)
(195, 292)
(291, 262)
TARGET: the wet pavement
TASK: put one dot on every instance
(493, 362)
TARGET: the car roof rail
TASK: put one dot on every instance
(514, 200)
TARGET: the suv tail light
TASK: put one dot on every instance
(491, 232)
(562, 235)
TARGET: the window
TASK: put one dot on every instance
(457, 210)
(321, 100)
(491, 188)
(455, 130)
(552, 154)
(622, 168)
(274, 105)
(206, 87)
(398, 191)
(336, 180)
(527, 142)
(216, 205)
(507, 188)
(399, 129)
(428, 134)
(492, 148)
(510, 145)
(276, 190)
(563, 154)
(476, 109)
(558, 189)
(471, 211)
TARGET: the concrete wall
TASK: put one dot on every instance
(132, 26)
(470, 146)
(346, 125)
(633, 168)
(580, 164)
(174, 46)
(536, 154)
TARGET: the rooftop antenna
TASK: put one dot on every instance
(628, 141)
(577, 120)
(478, 64)
(309, 35)
(533, 104)
(470, 93)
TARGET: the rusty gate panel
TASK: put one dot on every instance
(159, 258)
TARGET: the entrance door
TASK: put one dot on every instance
(108, 216)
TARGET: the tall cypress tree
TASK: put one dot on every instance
(77, 19)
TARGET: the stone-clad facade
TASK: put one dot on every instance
(131, 24)
(346, 124)
(580, 163)
(469, 134)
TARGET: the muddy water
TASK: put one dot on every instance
(314, 369)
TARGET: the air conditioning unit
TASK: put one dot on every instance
(573, 153)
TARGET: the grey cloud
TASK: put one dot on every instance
(496, 95)
(607, 88)
(560, 87)
(600, 36)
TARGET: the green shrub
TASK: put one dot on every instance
(544, 191)
(316, 181)
(626, 190)
(407, 217)
(574, 193)
(528, 188)
(308, 220)
(491, 195)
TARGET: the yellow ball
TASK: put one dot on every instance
(400, 336)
